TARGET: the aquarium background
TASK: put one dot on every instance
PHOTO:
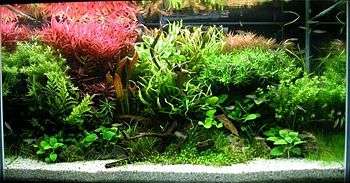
(174, 81)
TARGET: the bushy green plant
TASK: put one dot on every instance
(109, 134)
(308, 99)
(334, 64)
(286, 142)
(313, 98)
(249, 66)
(49, 148)
(42, 83)
(165, 84)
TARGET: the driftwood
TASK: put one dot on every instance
(117, 163)
(20, 13)
(204, 145)
(170, 132)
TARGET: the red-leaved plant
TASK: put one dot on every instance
(95, 11)
(10, 31)
(94, 37)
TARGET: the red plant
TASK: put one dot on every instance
(11, 34)
(93, 40)
(92, 11)
(10, 31)
(94, 36)
(98, 30)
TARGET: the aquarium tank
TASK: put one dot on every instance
(213, 83)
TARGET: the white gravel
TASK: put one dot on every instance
(257, 170)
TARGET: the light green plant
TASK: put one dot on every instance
(49, 147)
(286, 142)
(165, 84)
(80, 112)
(109, 134)
(249, 67)
(308, 99)
(89, 139)
(210, 120)
(210, 107)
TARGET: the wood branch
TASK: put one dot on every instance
(159, 135)
(20, 13)
(204, 145)
(172, 127)
(169, 133)
(133, 117)
(117, 163)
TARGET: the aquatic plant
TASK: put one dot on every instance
(49, 148)
(317, 98)
(286, 142)
(91, 41)
(308, 100)
(11, 31)
(166, 65)
(92, 11)
(248, 67)
(247, 40)
(95, 37)
(34, 74)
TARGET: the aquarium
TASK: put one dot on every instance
(174, 90)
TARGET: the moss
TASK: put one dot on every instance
(222, 153)
(330, 148)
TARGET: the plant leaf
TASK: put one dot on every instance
(212, 100)
(299, 142)
(118, 86)
(272, 132)
(52, 141)
(53, 157)
(280, 142)
(250, 117)
(40, 151)
(108, 135)
(211, 113)
(277, 151)
(283, 133)
(273, 139)
(45, 145)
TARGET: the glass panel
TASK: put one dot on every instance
(174, 82)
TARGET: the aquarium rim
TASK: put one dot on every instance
(347, 114)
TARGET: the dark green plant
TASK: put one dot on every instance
(49, 148)
(285, 142)
(244, 113)
(106, 111)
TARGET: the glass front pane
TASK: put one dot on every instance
(200, 82)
